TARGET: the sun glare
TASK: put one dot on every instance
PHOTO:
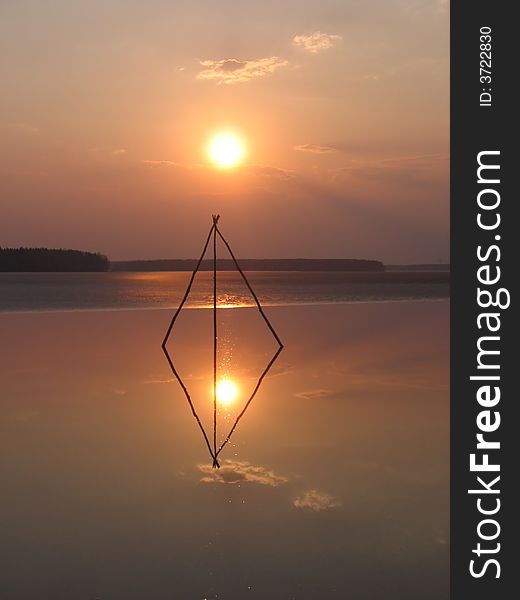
(227, 392)
(226, 150)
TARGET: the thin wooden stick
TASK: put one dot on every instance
(188, 289)
(273, 359)
(215, 338)
(174, 370)
(259, 383)
(246, 281)
(187, 394)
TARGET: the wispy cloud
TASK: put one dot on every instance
(411, 167)
(159, 164)
(235, 472)
(233, 70)
(314, 394)
(158, 381)
(316, 42)
(268, 171)
(119, 392)
(316, 501)
(314, 148)
(416, 158)
(24, 128)
(104, 152)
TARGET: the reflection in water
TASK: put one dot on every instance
(316, 501)
(88, 291)
(240, 471)
(227, 391)
(231, 301)
(335, 486)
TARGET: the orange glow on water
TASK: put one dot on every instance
(227, 391)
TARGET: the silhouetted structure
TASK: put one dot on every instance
(49, 259)
(214, 448)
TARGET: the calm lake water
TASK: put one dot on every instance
(94, 291)
(335, 484)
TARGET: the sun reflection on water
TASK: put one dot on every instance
(227, 391)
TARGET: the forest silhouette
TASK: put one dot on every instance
(45, 259)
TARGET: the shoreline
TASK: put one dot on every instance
(208, 307)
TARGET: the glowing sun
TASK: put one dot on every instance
(227, 392)
(226, 150)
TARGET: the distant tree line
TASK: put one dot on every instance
(253, 264)
(50, 259)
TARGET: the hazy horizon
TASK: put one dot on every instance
(260, 258)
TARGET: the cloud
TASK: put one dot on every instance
(415, 170)
(235, 472)
(232, 70)
(315, 42)
(398, 163)
(314, 148)
(103, 152)
(268, 171)
(281, 368)
(253, 170)
(24, 128)
(316, 501)
(276, 370)
(424, 159)
(159, 164)
(158, 381)
(119, 392)
(314, 394)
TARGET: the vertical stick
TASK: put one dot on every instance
(214, 340)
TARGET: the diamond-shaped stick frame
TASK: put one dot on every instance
(215, 232)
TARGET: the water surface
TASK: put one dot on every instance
(335, 484)
(102, 291)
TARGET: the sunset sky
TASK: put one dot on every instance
(342, 107)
